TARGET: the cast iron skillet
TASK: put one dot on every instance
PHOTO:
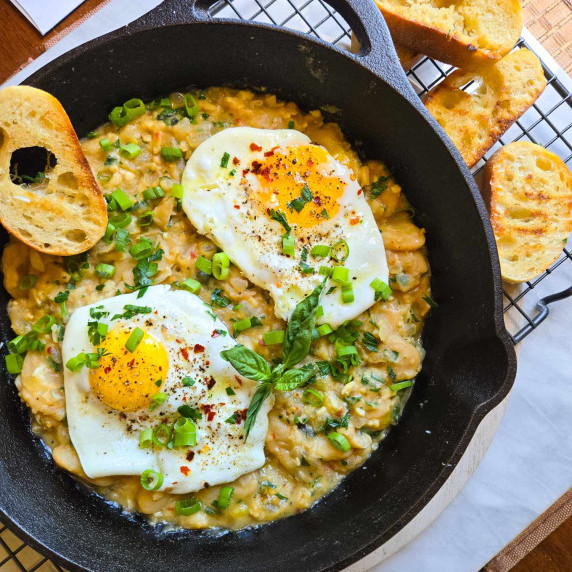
(470, 363)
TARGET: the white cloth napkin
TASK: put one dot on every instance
(529, 464)
(45, 14)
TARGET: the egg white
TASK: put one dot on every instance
(107, 441)
(219, 206)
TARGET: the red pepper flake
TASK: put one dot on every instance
(354, 220)
(207, 409)
(178, 341)
(360, 192)
(185, 354)
(193, 255)
(199, 349)
(215, 334)
(237, 207)
(107, 369)
(235, 161)
(256, 166)
(131, 363)
(266, 173)
(255, 147)
(271, 152)
(190, 456)
(309, 162)
(238, 380)
(317, 200)
(245, 172)
(210, 383)
(185, 470)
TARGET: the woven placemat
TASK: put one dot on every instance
(550, 21)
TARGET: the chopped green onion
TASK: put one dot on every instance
(339, 441)
(92, 135)
(77, 362)
(27, 282)
(104, 270)
(319, 312)
(320, 251)
(288, 245)
(153, 193)
(276, 337)
(14, 363)
(191, 105)
(345, 351)
(324, 330)
(340, 251)
(220, 266)
(185, 433)
(177, 190)
(151, 480)
(131, 150)
(122, 200)
(146, 438)
(204, 265)
(190, 285)
(430, 301)
(145, 219)
(381, 289)
(224, 497)
(401, 385)
(340, 274)
(305, 268)
(171, 154)
(44, 324)
(121, 239)
(111, 203)
(134, 339)
(313, 397)
(291, 124)
(109, 230)
(242, 325)
(326, 271)
(120, 220)
(224, 160)
(158, 399)
(105, 145)
(141, 249)
(162, 435)
(187, 507)
(130, 110)
(347, 293)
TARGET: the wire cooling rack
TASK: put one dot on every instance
(548, 123)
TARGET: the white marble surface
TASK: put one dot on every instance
(529, 464)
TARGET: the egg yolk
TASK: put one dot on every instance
(299, 184)
(126, 381)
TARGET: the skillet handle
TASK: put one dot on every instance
(376, 52)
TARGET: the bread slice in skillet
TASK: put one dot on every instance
(528, 191)
(466, 33)
(64, 212)
(476, 118)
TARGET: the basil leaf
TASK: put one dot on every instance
(299, 332)
(292, 379)
(247, 363)
(259, 397)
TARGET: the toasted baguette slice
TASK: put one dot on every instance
(66, 213)
(528, 191)
(501, 93)
(464, 33)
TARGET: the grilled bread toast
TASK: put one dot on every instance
(466, 33)
(63, 212)
(475, 119)
(528, 191)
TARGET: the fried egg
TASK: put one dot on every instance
(137, 387)
(239, 184)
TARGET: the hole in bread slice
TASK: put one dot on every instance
(31, 165)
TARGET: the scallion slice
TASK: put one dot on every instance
(326, 271)
(153, 193)
(340, 274)
(76, 363)
(44, 324)
(177, 190)
(130, 110)
(105, 145)
(340, 251)
(288, 245)
(345, 351)
(204, 265)
(224, 160)
(276, 337)
(122, 200)
(220, 266)
(339, 441)
(381, 289)
(120, 220)
(242, 325)
(320, 251)
(401, 385)
(134, 339)
(313, 397)
(27, 282)
(14, 363)
(131, 150)
(145, 219)
(171, 154)
(224, 497)
(146, 438)
(189, 284)
(185, 433)
(158, 399)
(141, 249)
(151, 480)
(162, 435)
(191, 106)
(187, 507)
(324, 330)
(104, 270)
(347, 293)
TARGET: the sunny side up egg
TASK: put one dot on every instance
(127, 415)
(245, 187)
